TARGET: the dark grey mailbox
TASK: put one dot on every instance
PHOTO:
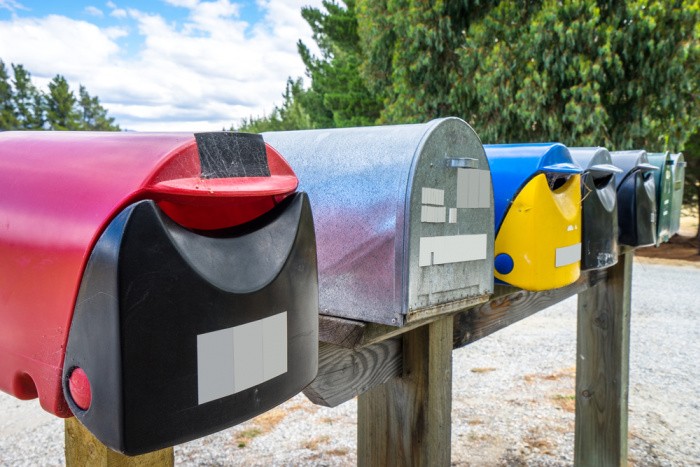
(599, 205)
(403, 216)
(636, 198)
(678, 184)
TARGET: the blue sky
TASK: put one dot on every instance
(162, 65)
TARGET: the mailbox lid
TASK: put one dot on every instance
(636, 198)
(599, 230)
(663, 179)
(513, 165)
(678, 187)
(375, 193)
(59, 191)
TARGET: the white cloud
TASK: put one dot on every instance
(207, 73)
(93, 11)
(118, 13)
(11, 5)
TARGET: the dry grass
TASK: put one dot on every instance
(262, 424)
(483, 370)
(313, 444)
(556, 376)
(565, 402)
(475, 422)
(537, 440)
(337, 452)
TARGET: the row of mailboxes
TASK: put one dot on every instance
(161, 287)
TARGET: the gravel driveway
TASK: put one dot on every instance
(512, 397)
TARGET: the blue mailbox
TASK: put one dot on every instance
(537, 207)
(636, 198)
(599, 208)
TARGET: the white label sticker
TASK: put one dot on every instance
(433, 196)
(434, 214)
(567, 255)
(234, 359)
(451, 249)
(453, 215)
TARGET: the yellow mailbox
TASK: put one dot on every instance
(537, 204)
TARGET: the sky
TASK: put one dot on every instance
(162, 65)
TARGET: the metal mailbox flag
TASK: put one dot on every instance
(636, 198)
(403, 217)
(663, 178)
(678, 185)
(599, 208)
(159, 287)
(538, 214)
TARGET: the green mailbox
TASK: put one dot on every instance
(664, 194)
(678, 184)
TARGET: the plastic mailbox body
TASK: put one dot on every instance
(678, 185)
(636, 198)
(403, 217)
(663, 178)
(159, 287)
(538, 214)
(599, 232)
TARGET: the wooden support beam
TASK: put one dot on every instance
(407, 420)
(602, 369)
(511, 305)
(346, 373)
(82, 449)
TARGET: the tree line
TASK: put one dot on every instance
(621, 74)
(24, 107)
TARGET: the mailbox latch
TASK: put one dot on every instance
(463, 163)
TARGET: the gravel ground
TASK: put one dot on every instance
(512, 397)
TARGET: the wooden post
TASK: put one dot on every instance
(82, 448)
(602, 368)
(407, 420)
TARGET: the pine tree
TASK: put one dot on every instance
(61, 113)
(28, 101)
(8, 120)
(338, 96)
(94, 116)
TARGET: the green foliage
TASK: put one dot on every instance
(290, 116)
(338, 96)
(24, 107)
(61, 106)
(411, 53)
(620, 74)
(28, 101)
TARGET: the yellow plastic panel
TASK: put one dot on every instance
(542, 229)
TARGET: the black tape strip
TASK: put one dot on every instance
(225, 154)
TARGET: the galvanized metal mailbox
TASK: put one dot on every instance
(159, 287)
(636, 198)
(403, 217)
(678, 185)
(663, 178)
(599, 230)
(538, 214)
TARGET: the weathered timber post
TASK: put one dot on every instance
(407, 420)
(602, 368)
(82, 448)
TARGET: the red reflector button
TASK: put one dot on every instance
(79, 388)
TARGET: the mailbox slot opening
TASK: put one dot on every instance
(602, 181)
(557, 181)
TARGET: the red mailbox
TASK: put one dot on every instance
(159, 287)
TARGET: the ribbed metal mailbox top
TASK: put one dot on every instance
(403, 217)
